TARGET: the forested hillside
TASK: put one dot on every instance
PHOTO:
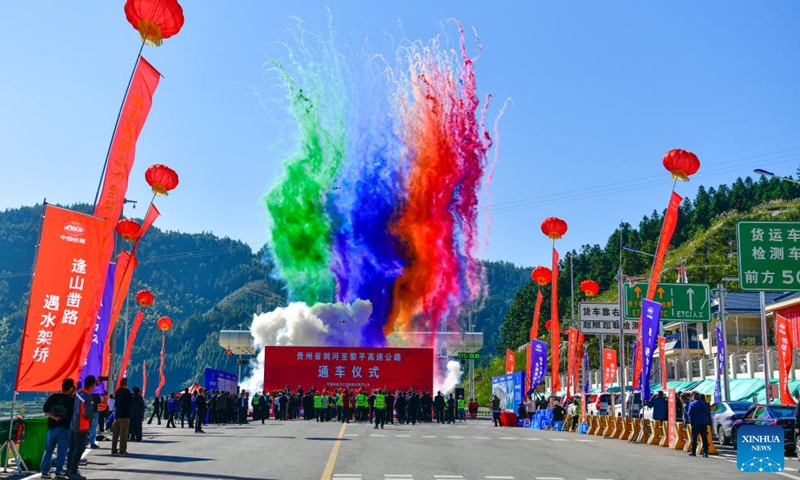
(203, 282)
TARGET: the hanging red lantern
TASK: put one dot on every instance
(590, 288)
(164, 323)
(554, 228)
(681, 163)
(144, 298)
(161, 179)
(128, 229)
(547, 325)
(154, 19)
(542, 275)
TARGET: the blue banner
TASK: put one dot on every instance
(651, 316)
(94, 360)
(587, 370)
(509, 389)
(538, 364)
(222, 381)
(720, 365)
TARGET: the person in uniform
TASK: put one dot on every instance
(388, 413)
(462, 409)
(378, 408)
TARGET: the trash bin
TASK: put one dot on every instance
(33, 441)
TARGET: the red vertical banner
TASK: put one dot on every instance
(536, 311)
(662, 353)
(162, 380)
(783, 340)
(137, 322)
(555, 329)
(609, 367)
(510, 362)
(571, 349)
(667, 230)
(672, 432)
(576, 370)
(69, 268)
(121, 155)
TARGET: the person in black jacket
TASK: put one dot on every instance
(137, 416)
(699, 413)
(389, 412)
(186, 408)
(200, 404)
(122, 417)
(157, 409)
(438, 407)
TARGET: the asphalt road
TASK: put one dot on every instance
(326, 451)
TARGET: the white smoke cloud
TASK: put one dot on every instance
(324, 324)
(451, 379)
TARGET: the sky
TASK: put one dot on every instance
(599, 92)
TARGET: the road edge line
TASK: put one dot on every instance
(328, 472)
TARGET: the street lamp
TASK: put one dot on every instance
(761, 171)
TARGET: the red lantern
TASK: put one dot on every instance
(154, 19)
(681, 163)
(164, 323)
(542, 275)
(590, 288)
(554, 228)
(161, 179)
(547, 325)
(128, 230)
(144, 298)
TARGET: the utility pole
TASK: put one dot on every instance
(471, 365)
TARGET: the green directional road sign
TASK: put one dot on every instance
(469, 355)
(680, 302)
(769, 256)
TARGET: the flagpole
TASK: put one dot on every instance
(116, 124)
(621, 358)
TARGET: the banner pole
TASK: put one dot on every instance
(116, 124)
(764, 344)
(621, 358)
(8, 445)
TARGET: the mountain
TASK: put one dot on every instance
(203, 282)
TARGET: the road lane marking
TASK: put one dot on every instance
(508, 438)
(328, 472)
(584, 440)
(533, 438)
(481, 438)
(351, 435)
(498, 477)
(429, 436)
(787, 475)
(403, 436)
(376, 435)
(402, 475)
(549, 478)
(449, 476)
(559, 439)
(454, 436)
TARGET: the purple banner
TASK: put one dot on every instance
(651, 316)
(538, 364)
(634, 362)
(94, 361)
(720, 365)
(587, 370)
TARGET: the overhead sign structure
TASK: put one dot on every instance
(680, 302)
(769, 256)
(603, 319)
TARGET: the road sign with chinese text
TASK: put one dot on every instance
(469, 355)
(769, 256)
(680, 302)
(603, 319)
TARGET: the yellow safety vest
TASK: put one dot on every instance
(461, 404)
(318, 401)
(339, 400)
(380, 402)
(361, 400)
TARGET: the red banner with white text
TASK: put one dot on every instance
(121, 155)
(783, 338)
(122, 281)
(68, 269)
(511, 361)
(609, 367)
(555, 330)
(348, 367)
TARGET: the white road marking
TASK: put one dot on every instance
(507, 438)
(533, 438)
(350, 434)
(559, 439)
(376, 435)
(481, 438)
(453, 436)
(429, 436)
(403, 436)
(599, 479)
(346, 475)
(787, 475)
(498, 478)
(403, 475)
(448, 476)
(481, 427)
(585, 441)
(549, 478)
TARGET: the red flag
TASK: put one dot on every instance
(555, 329)
(137, 322)
(576, 372)
(510, 362)
(536, 311)
(68, 267)
(122, 282)
(667, 229)
(609, 367)
(662, 352)
(118, 167)
(783, 337)
(162, 379)
(144, 378)
(571, 349)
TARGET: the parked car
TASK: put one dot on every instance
(760, 414)
(631, 409)
(598, 403)
(723, 415)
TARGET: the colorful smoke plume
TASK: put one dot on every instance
(380, 200)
